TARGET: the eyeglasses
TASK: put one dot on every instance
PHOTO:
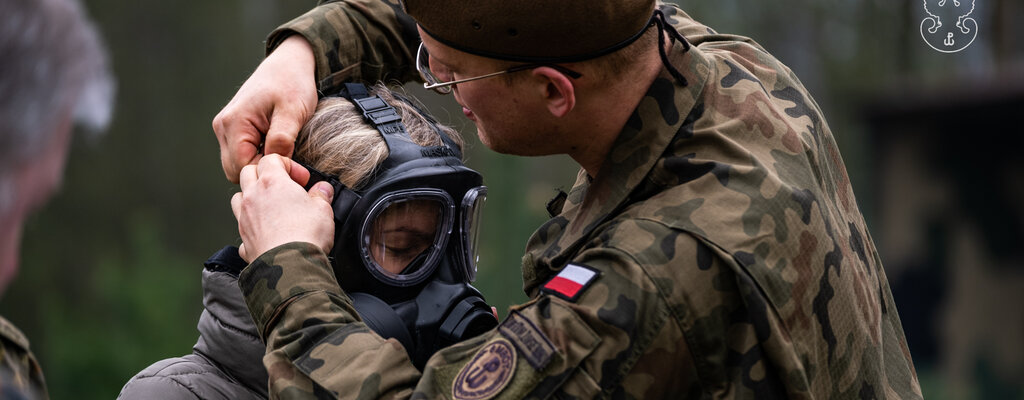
(433, 83)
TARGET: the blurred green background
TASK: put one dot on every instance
(110, 270)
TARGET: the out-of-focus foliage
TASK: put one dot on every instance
(111, 267)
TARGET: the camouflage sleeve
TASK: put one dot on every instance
(639, 349)
(583, 346)
(356, 40)
(317, 346)
(600, 328)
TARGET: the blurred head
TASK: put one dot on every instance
(338, 141)
(53, 76)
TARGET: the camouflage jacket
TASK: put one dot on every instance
(20, 374)
(719, 252)
(356, 40)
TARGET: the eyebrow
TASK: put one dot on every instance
(438, 59)
(443, 64)
(410, 230)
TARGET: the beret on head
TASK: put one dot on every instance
(533, 30)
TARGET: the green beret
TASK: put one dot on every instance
(533, 30)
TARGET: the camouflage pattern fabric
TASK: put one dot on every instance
(732, 262)
(726, 206)
(356, 41)
(20, 374)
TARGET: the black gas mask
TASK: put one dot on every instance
(405, 246)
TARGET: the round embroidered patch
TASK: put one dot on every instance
(488, 373)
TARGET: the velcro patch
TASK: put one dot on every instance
(489, 371)
(571, 281)
(531, 342)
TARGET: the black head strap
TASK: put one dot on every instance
(448, 142)
(376, 112)
(344, 198)
(384, 117)
(317, 176)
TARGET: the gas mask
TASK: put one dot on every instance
(405, 246)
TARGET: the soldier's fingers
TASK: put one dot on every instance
(273, 166)
(236, 205)
(247, 177)
(284, 128)
(239, 143)
(236, 208)
(243, 253)
(322, 190)
(298, 173)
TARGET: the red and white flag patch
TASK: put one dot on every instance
(571, 281)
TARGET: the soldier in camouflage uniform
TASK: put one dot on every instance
(713, 248)
(53, 75)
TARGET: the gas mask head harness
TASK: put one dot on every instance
(405, 245)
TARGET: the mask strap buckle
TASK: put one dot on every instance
(385, 118)
(376, 111)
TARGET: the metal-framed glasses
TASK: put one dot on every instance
(433, 83)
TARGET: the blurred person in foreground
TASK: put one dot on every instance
(711, 247)
(53, 76)
(402, 244)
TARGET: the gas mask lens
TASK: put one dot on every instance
(405, 235)
(472, 213)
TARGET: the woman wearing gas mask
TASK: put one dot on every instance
(406, 216)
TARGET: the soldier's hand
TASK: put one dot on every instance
(273, 209)
(266, 114)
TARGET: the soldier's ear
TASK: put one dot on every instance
(557, 90)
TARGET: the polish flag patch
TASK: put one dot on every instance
(571, 281)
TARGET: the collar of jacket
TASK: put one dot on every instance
(227, 334)
(639, 146)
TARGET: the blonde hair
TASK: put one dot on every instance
(338, 141)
